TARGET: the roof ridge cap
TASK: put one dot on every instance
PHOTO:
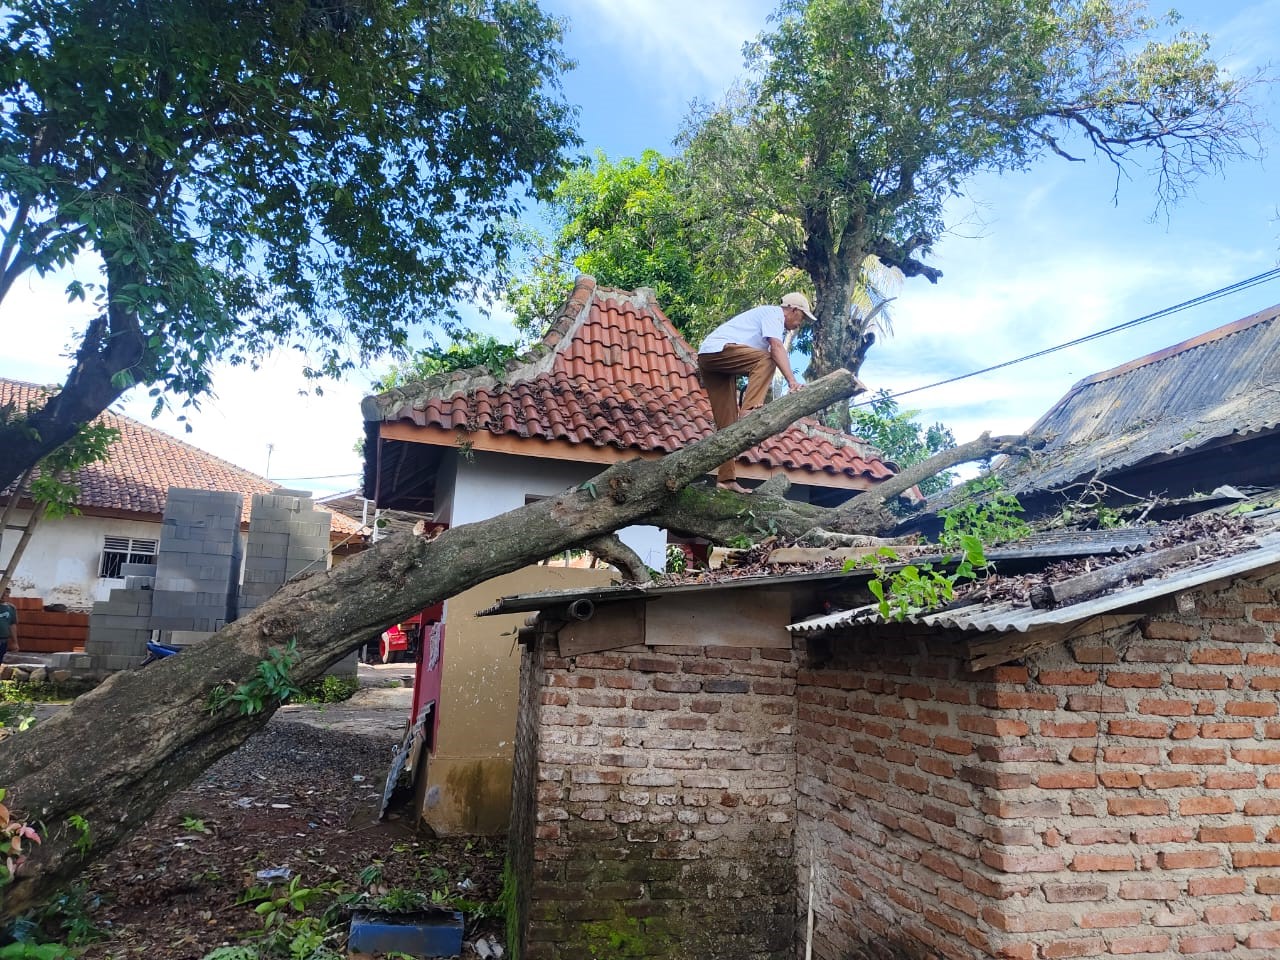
(536, 360)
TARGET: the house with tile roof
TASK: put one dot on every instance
(76, 561)
(1177, 423)
(611, 380)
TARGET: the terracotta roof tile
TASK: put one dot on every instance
(612, 372)
(145, 462)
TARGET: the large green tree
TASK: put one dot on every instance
(860, 119)
(250, 173)
(639, 222)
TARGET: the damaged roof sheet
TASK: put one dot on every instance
(1046, 546)
(1004, 617)
(1221, 384)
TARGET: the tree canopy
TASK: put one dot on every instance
(857, 122)
(860, 119)
(263, 173)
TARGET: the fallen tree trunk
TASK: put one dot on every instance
(720, 516)
(120, 750)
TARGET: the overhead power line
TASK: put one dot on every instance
(1253, 281)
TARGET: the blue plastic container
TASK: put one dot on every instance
(425, 934)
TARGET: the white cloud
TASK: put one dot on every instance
(681, 50)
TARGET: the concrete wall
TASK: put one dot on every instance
(1114, 796)
(657, 812)
(62, 561)
(467, 789)
(487, 484)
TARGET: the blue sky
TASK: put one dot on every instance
(1034, 259)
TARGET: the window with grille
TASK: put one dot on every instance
(117, 551)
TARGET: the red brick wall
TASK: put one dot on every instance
(665, 805)
(1116, 796)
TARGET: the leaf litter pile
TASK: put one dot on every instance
(287, 821)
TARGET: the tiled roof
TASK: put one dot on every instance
(145, 462)
(1221, 384)
(611, 372)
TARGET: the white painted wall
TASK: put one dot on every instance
(61, 563)
(484, 485)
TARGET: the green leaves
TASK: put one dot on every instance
(259, 174)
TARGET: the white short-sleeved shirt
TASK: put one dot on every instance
(751, 328)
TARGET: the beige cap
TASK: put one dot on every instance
(800, 302)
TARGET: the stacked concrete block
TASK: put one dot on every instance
(288, 537)
(120, 627)
(198, 563)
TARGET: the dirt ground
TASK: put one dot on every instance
(300, 800)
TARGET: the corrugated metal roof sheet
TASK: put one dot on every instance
(1045, 546)
(1223, 383)
(1004, 617)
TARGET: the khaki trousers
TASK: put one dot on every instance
(720, 372)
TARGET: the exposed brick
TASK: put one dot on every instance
(1022, 863)
(1075, 892)
(1141, 653)
(1215, 886)
(1234, 833)
(672, 685)
(1200, 681)
(1255, 858)
(1016, 700)
(1252, 708)
(1217, 943)
(1088, 654)
(1079, 947)
(1218, 656)
(1263, 939)
(1237, 633)
(1256, 755)
(1155, 943)
(1111, 919)
(1138, 728)
(1095, 703)
(1226, 731)
(1166, 708)
(1127, 680)
(655, 703)
(1169, 630)
(1081, 729)
(1144, 756)
(1155, 835)
(1067, 678)
(1137, 806)
(1192, 806)
(1168, 779)
(1090, 862)
(993, 726)
(1189, 859)
(1025, 921)
(1150, 890)
(1197, 755)
(1068, 780)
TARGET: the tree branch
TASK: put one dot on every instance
(983, 448)
(611, 549)
(150, 732)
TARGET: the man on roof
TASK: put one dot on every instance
(750, 343)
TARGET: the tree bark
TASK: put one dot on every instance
(120, 750)
(720, 516)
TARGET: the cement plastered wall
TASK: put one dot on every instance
(468, 785)
(487, 484)
(62, 561)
